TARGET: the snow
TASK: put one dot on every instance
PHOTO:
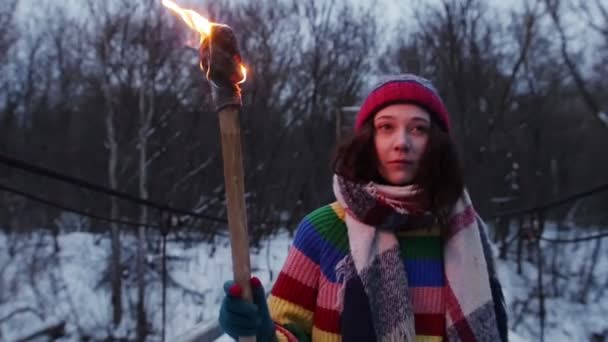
(71, 285)
(566, 318)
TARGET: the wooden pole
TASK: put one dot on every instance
(230, 130)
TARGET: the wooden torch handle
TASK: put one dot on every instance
(230, 130)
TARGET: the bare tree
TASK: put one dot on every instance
(8, 34)
(8, 104)
(337, 53)
(154, 47)
(595, 14)
(145, 80)
(106, 36)
(554, 9)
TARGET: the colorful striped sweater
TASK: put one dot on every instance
(304, 299)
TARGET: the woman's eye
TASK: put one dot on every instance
(420, 129)
(385, 127)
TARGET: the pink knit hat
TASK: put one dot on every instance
(406, 88)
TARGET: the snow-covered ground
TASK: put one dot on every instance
(567, 317)
(44, 287)
(39, 287)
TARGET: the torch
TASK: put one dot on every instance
(221, 61)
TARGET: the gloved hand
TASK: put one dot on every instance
(241, 318)
(220, 59)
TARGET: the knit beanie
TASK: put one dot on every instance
(407, 88)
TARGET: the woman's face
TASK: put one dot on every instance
(401, 133)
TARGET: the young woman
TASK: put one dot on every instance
(400, 256)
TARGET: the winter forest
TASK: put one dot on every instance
(112, 204)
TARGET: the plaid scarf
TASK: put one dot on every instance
(373, 214)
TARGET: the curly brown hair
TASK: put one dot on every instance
(440, 173)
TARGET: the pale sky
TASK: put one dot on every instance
(391, 13)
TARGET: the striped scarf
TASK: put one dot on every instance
(373, 214)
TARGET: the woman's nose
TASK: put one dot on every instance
(403, 141)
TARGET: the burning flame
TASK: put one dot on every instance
(244, 71)
(199, 24)
(194, 20)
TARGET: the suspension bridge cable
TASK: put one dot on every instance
(39, 170)
(73, 210)
(46, 172)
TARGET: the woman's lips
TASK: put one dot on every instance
(401, 163)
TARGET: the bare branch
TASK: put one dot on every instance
(589, 100)
(20, 311)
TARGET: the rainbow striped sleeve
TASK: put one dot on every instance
(292, 301)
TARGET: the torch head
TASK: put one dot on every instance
(220, 57)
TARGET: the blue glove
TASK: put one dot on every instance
(241, 318)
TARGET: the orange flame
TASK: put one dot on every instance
(199, 24)
(194, 20)
(244, 71)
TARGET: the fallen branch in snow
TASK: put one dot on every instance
(580, 239)
(54, 331)
(19, 311)
(524, 310)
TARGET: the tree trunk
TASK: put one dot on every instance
(591, 272)
(520, 241)
(141, 238)
(502, 227)
(116, 272)
(115, 234)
